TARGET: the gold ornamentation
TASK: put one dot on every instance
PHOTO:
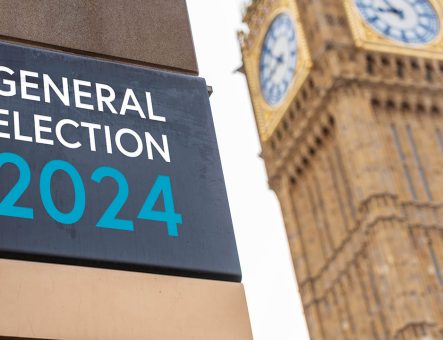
(267, 116)
(367, 38)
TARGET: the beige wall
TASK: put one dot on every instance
(40, 300)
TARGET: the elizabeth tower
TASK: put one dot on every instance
(348, 99)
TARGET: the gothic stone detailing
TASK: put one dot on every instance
(356, 161)
(367, 249)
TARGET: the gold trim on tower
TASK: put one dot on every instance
(367, 38)
(268, 116)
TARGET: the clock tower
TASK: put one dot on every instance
(347, 96)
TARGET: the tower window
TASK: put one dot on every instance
(429, 72)
(375, 102)
(414, 64)
(285, 125)
(400, 68)
(403, 161)
(370, 63)
(341, 21)
(311, 83)
(419, 163)
(329, 19)
(390, 105)
(405, 106)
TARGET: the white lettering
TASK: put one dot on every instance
(164, 152)
(91, 127)
(151, 113)
(12, 90)
(39, 129)
(129, 94)
(78, 94)
(17, 133)
(61, 139)
(108, 140)
(48, 83)
(4, 123)
(101, 99)
(25, 85)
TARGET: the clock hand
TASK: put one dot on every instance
(391, 9)
(278, 59)
(271, 74)
(275, 68)
(388, 3)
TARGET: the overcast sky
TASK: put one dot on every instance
(271, 291)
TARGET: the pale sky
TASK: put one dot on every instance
(272, 294)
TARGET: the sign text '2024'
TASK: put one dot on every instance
(109, 218)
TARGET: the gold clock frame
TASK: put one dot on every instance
(268, 116)
(367, 38)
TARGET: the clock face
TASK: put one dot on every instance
(278, 59)
(406, 21)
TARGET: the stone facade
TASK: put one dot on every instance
(357, 164)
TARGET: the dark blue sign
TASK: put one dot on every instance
(110, 165)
